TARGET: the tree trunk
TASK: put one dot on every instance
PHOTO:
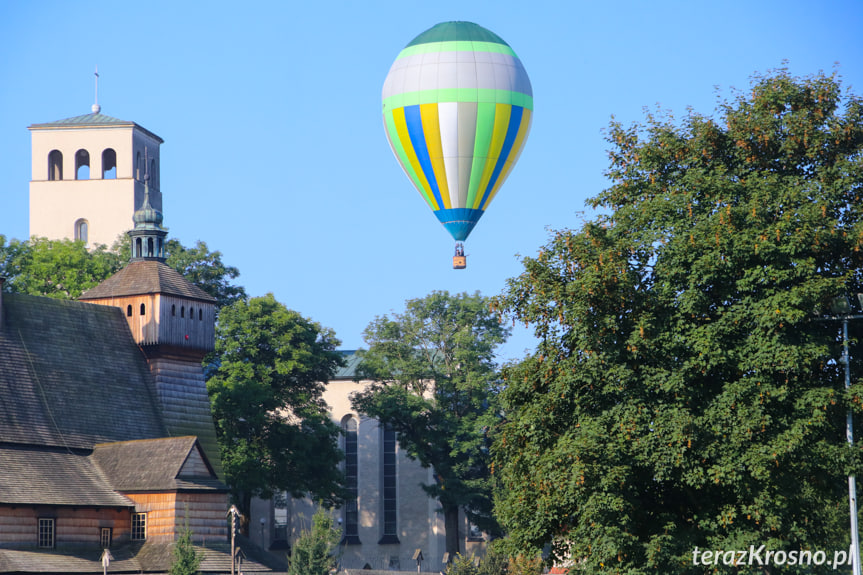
(451, 527)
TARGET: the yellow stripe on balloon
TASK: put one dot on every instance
(405, 140)
(514, 153)
(431, 131)
(501, 123)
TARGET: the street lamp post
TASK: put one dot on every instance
(841, 309)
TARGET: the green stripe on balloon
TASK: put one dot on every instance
(457, 47)
(484, 131)
(458, 95)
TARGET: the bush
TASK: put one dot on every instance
(314, 550)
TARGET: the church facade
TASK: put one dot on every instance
(391, 518)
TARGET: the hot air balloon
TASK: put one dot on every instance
(457, 107)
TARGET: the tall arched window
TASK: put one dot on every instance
(138, 248)
(143, 309)
(109, 164)
(82, 165)
(389, 486)
(55, 165)
(139, 167)
(153, 182)
(150, 247)
(82, 231)
(351, 508)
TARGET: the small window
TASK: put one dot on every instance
(82, 231)
(191, 313)
(139, 526)
(200, 314)
(129, 310)
(182, 311)
(82, 165)
(105, 537)
(173, 310)
(143, 309)
(109, 164)
(55, 165)
(46, 533)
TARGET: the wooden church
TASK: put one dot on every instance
(107, 443)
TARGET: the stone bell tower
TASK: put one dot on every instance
(87, 176)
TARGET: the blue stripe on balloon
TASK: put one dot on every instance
(414, 123)
(459, 221)
(506, 149)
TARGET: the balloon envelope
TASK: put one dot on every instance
(457, 107)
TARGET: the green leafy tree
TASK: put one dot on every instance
(186, 560)
(315, 550)
(62, 269)
(682, 393)
(434, 382)
(265, 384)
(206, 270)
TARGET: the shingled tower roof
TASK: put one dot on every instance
(147, 277)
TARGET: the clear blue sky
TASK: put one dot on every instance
(275, 153)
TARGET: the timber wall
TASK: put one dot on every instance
(166, 514)
(72, 526)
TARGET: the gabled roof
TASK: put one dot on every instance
(72, 376)
(92, 120)
(145, 277)
(165, 468)
(41, 476)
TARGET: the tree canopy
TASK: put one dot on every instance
(435, 382)
(265, 386)
(61, 269)
(682, 393)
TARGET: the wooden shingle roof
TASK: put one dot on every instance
(165, 468)
(71, 376)
(38, 476)
(146, 277)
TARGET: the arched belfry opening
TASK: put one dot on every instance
(55, 165)
(82, 165)
(109, 164)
